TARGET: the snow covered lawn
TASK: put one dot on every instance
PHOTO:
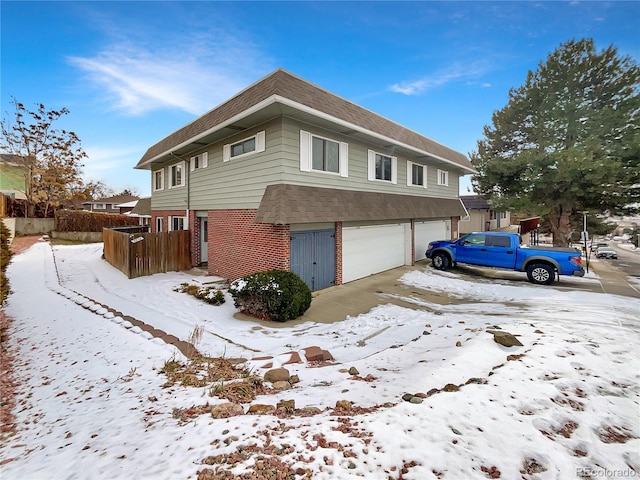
(93, 403)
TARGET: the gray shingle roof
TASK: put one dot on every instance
(474, 202)
(283, 84)
(143, 207)
(286, 204)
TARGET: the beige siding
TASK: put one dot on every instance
(357, 167)
(168, 198)
(240, 183)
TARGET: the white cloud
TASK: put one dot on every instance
(454, 73)
(192, 74)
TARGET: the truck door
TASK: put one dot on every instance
(500, 252)
(471, 249)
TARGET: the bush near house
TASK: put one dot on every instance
(82, 221)
(275, 295)
(5, 258)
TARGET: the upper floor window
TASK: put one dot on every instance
(176, 175)
(158, 180)
(416, 174)
(199, 161)
(443, 177)
(325, 155)
(99, 206)
(383, 167)
(254, 144)
(322, 154)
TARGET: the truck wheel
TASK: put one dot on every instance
(440, 261)
(541, 274)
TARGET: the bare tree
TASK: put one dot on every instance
(51, 157)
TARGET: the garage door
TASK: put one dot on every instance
(372, 249)
(426, 232)
(313, 257)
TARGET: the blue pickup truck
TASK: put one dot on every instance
(504, 250)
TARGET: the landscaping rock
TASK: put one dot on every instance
(261, 409)
(506, 339)
(277, 375)
(288, 405)
(226, 410)
(316, 354)
(281, 385)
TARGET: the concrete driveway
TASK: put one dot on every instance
(351, 299)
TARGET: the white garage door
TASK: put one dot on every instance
(426, 232)
(372, 249)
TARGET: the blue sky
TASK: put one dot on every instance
(133, 72)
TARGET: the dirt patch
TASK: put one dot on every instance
(7, 382)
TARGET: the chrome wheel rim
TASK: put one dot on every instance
(540, 274)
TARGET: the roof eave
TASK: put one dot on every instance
(146, 164)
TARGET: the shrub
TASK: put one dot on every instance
(211, 295)
(5, 257)
(276, 295)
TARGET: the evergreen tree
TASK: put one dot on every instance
(567, 141)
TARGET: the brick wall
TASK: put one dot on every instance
(238, 246)
(338, 253)
(165, 214)
(454, 228)
(194, 226)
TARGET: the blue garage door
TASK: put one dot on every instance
(313, 257)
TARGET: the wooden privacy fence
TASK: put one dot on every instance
(139, 254)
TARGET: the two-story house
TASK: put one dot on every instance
(286, 175)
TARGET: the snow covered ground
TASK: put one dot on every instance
(92, 405)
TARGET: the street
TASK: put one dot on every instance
(628, 260)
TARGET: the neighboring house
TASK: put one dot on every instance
(13, 176)
(286, 175)
(126, 207)
(481, 216)
(142, 210)
(108, 204)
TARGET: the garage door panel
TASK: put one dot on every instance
(371, 249)
(426, 232)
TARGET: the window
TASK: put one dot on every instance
(158, 180)
(158, 224)
(254, 144)
(320, 154)
(199, 161)
(474, 240)
(383, 167)
(503, 215)
(246, 146)
(416, 175)
(176, 175)
(99, 206)
(443, 177)
(498, 241)
(177, 223)
(325, 155)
